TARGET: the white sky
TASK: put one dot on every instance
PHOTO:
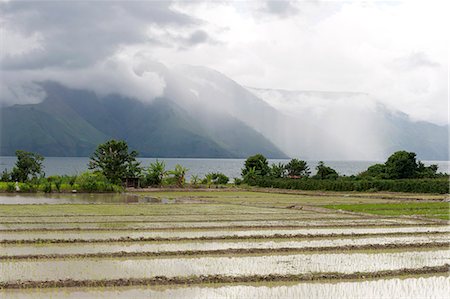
(396, 51)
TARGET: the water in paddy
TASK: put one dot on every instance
(198, 225)
(44, 249)
(82, 198)
(230, 167)
(400, 288)
(105, 235)
(94, 269)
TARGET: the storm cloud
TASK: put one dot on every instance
(376, 48)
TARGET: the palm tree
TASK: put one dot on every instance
(179, 173)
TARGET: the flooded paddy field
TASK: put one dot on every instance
(50, 249)
(227, 239)
(96, 269)
(226, 234)
(434, 287)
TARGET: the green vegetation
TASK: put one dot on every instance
(255, 165)
(439, 210)
(297, 168)
(401, 165)
(114, 161)
(440, 186)
(215, 178)
(325, 173)
(94, 182)
(28, 167)
(155, 174)
(400, 173)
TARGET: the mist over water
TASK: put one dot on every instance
(230, 167)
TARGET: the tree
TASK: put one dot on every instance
(427, 171)
(156, 173)
(375, 171)
(114, 161)
(218, 178)
(401, 165)
(28, 165)
(297, 167)
(325, 172)
(179, 174)
(258, 163)
(278, 170)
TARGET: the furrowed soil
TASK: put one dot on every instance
(239, 237)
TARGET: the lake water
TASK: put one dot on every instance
(230, 167)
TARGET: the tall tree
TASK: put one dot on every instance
(297, 167)
(28, 165)
(258, 163)
(325, 172)
(401, 165)
(114, 161)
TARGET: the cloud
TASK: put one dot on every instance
(124, 74)
(396, 52)
(79, 33)
(280, 8)
(413, 61)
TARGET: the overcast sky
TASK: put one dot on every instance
(395, 51)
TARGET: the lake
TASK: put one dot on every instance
(230, 167)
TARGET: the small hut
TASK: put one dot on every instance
(130, 182)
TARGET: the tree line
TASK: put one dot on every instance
(112, 162)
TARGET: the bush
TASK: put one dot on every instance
(24, 187)
(440, 186)
(218, 178)
(94, 182)
(47, 187)
(11, 187)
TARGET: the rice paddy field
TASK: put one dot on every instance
(225, 244)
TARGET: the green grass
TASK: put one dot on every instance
(130, 209)
(439, 210)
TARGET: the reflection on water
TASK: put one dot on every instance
(81, 269)
(422, 287)
(64, 198)
(80, 248)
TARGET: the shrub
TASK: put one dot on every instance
(217, 178)
(344, 184)
(94, 182)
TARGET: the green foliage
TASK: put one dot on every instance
(114, 161)
(94, 182)
(155, 174)
(5, 176)
(179, 174)
(195, 180)
(256, 164)
(11, 187)
(440, 185)
(401, 165)
(297, 167)
(216, 178)
(47, 187)
(28, 166)
(427, 172)
(27, 188)
(278, 170)
(375, 171)
(237, 181)
(57, 181)
(324, 172)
